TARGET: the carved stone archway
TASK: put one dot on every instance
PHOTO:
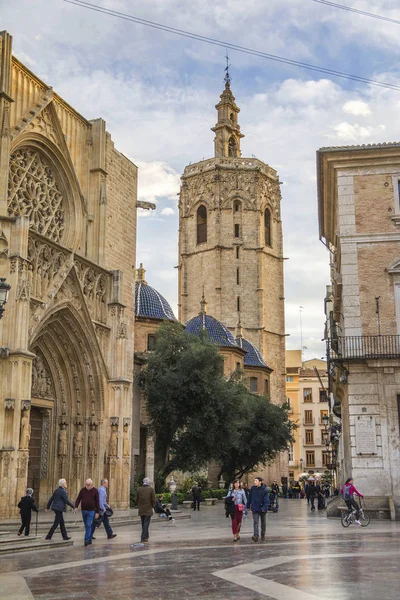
(68, 391)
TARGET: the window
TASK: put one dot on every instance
(322, 396)
(238, 366)
(238, 303)
(151, 341)
(291, 452)
(325, 458)
(324, 436)
(323, 413)
(288, 402)
(253, 384)
(237, 252)
(232, 117)
(289, 379)
(237, 206)
(237, 276)
(237, 230)
(266, 387)
(308, 416)
(232, 147)
(310, 458)
(307, 394)
(201, 224)
(267, 227)
(291, 475)
(309, 436)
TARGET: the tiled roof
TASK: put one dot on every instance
(150, 304)
(217, 332)
(360, 147)
(253, 356)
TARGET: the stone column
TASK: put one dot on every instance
(150, 458)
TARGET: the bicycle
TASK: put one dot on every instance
(350, 517)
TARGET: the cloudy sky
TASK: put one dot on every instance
(157, 92)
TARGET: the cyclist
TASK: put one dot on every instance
(347, 492)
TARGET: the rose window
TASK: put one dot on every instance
(33, 192)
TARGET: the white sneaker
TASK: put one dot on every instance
(358, 522)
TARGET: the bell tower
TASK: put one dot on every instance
(227, 129)
(230, 242)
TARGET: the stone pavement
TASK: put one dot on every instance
(305, 557)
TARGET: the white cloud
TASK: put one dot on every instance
(167, 211)
(157, 180)
(357, 108)
(352, 132)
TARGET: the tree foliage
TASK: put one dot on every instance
(197, 415)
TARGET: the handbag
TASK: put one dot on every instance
(241, 507)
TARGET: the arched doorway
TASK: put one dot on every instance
(67, 405)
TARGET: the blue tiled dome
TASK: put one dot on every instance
(253, 356)
(217, 332)
(150, 304)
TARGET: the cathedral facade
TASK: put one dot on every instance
(230, 246)
(68, 203)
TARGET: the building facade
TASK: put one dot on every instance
(359, 217)
(306, 390)
(67, 247)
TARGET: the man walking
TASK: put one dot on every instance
(145, 501)
(88, 497)
(103, 506)
(26, 505)
(58, 504)
(196, 492)
(258, 503)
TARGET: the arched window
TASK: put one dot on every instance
(237, 205)
(201, 224)
(232, 117)
(232, 147)
(237, 230)
(253, 384)
(267, 227)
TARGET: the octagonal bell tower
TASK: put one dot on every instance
(230, 242)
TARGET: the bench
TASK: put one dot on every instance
(211, 501)
(187, 504)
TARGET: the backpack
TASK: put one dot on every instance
(346, 493)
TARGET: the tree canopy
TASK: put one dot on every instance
(198, 415)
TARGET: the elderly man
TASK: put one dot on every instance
(145, 501)
(88, 497)
(103, 506)
(58, 504)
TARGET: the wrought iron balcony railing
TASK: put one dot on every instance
(363, 347)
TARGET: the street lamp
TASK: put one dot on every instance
(4, 290)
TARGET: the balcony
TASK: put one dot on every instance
(363, 347)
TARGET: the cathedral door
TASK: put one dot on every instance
(35, 444)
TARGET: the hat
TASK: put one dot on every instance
(146, 481)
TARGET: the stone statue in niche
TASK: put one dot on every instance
(114, 441)
(62, 441)
(125, 442)
(41, 381)
(92, 441)
(25, 432)
(78, 442)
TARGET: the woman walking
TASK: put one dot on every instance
(237, 501)
(58, 504)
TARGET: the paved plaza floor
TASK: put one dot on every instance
(305, 556)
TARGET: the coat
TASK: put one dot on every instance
(59, 500)
(145, 500)
(26, 506)
(258, 498)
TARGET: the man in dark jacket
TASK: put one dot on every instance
(258, 503)
(145, 501)
(196, 492)
(58, 503)
(26, 505)
(88, 497)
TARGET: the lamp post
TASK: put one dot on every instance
(4, 290)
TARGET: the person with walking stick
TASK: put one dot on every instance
(26, 505)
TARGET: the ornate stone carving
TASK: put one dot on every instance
(48, 268)
(44, 125)
(22, 465)
(26, 405)
(62, 441)
(3, 245)
(271, 194)
(6, 460)
(34, 192)
(127, 421)
(24, 290)
(122, 331)
(114, 421)
(9, 403)
(41, 379)
(113, 444)
(78, 442)
(25, 431)
(5, 125)
(94, 287)
(44, 447)
(126, 443)
(92, 441)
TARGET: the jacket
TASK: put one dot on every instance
(258, 498)
(27, 505)
(59, 500)
(239, 496)
(145, 500)
(196, 491)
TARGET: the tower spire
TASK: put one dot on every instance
(227, 129)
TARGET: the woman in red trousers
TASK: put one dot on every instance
(236, 500)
